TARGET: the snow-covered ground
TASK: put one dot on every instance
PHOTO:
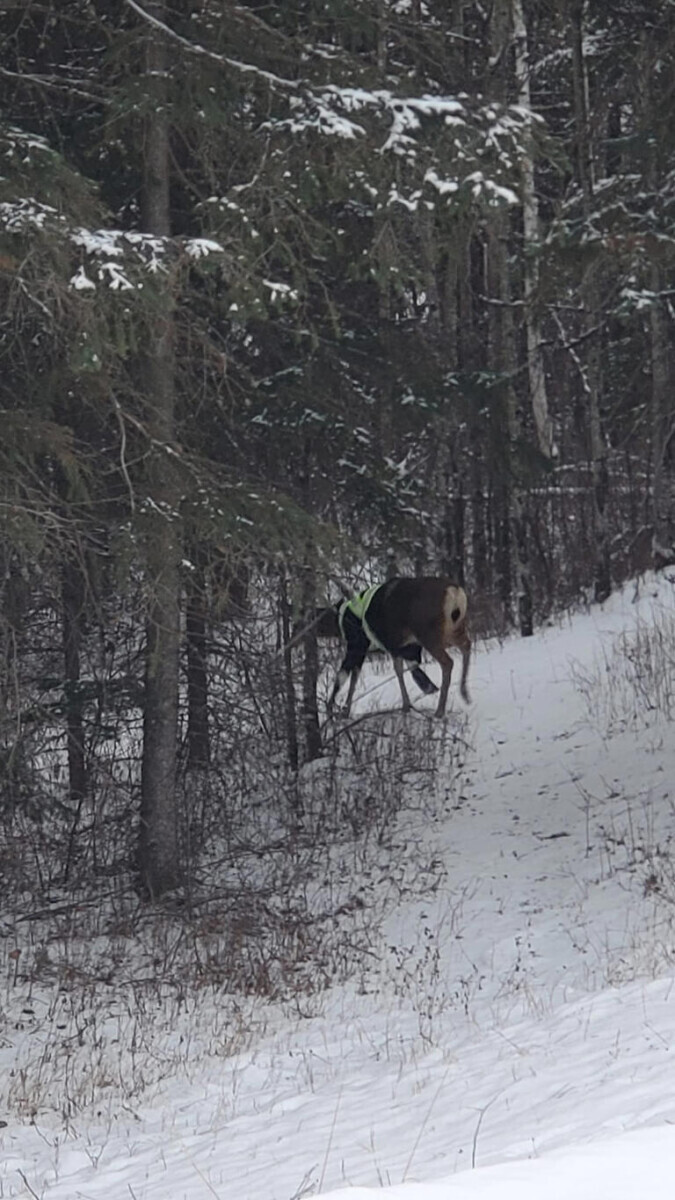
(515, 1036)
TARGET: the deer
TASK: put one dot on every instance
(402, 617)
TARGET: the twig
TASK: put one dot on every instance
(123, 450)
(424, 1125)
(75, 906)
(298, 636)
(195, 48)
(30, 1189)
(375, 712)
(330, 1141)
(382, 712)
(481, 1114)
(304, 1186)
(204, 1180)
(48, 81)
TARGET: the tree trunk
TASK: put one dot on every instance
(531, 242)
(662, 424)
(513, 541)
(72, 602)
(159, 853)
(310, 675)
(292, 748)
(662, 409)
(382, 32)
(590, 304)
(73, 591)
(469, 361)
(479, 531)
(453, 562)
(198, 741)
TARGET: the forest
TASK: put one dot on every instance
(297, 297)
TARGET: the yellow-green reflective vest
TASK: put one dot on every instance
(359, 605)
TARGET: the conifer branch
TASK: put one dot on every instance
(196, 48)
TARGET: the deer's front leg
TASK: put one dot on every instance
(350, 668)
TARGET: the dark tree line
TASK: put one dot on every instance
(301, 294)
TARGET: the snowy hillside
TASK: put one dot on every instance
(516, 1031)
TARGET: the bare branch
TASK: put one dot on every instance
(195, 48)
(48, 81)
(123, 447)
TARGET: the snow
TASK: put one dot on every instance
(99, 241)
(202, 247)
(410, 202)
(480, 185)
(279, 289)
(17, 141)
(20, 215)
(317, 111)
(116, 279)
(444, 186)
(638, 1164)
(80, 281)
(320, 117)
(514, 1034)
(637, 298)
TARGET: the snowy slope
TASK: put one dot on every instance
(519, 1021)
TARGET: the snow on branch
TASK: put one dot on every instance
(146, 249)
(326, 111)
(17, 143)
(196, 48)
(202, 247)
(493, 192)
(113, 251)
(476, 147)
(50, 81)
(279, 290)
(20, 215)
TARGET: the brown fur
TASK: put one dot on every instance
(428, 612)
(432, 612)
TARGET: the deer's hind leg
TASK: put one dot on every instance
(437, 650)
(462, 641)
(398, 667)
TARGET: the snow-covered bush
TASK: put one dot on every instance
(631, 681)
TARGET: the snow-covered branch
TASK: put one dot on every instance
(195, 48)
